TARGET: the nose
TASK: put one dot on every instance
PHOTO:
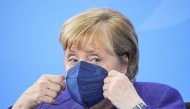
(84, 60)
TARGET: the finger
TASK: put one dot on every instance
(63, 77)
(47, 96)
(48, 100)
(55, 87)
(58, 80)
(107, 80)
(113, 73)
(105, 94)
(63, 85)
(50, 93)
(106, 87)
(59, 93)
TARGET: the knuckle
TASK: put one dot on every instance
(59, 93)
(103, 87)
(42, 98)
(44, 75)
(41, 85)
(54, 95)
(105, 79)
(59, 88)
(59, 80)
(104, 94)
(117, 80)
(112, 87)
(51, 100)
(39, 97)
(41, 82)
(111, 72)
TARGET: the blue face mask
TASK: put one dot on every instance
(85, 83)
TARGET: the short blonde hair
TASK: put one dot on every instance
(112, 29)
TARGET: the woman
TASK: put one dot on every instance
(105, 38)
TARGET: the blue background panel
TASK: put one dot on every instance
(29, 41)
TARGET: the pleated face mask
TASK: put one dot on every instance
(85, 83)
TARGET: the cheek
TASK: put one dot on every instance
(112, 63)
(66, 66)
(112, 66)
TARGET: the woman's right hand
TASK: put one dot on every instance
(44, 90)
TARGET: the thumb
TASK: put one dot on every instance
(62, 76)
(63, 84)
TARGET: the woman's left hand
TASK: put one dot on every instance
(120, 91)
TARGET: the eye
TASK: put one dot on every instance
(95, 60)
(73, 59)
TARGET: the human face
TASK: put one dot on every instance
(93, 53)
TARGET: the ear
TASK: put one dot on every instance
(125, 58)
(124, 63)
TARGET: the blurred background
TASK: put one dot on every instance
(29, 41)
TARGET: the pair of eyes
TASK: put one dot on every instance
(91, 59)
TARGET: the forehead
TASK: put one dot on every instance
(90, 47)
(95, 47)
(83, 41)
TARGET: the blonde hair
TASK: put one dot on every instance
(110, 27)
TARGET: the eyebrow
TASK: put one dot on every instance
(88, 51)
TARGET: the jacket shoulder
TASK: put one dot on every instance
(158, 95)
